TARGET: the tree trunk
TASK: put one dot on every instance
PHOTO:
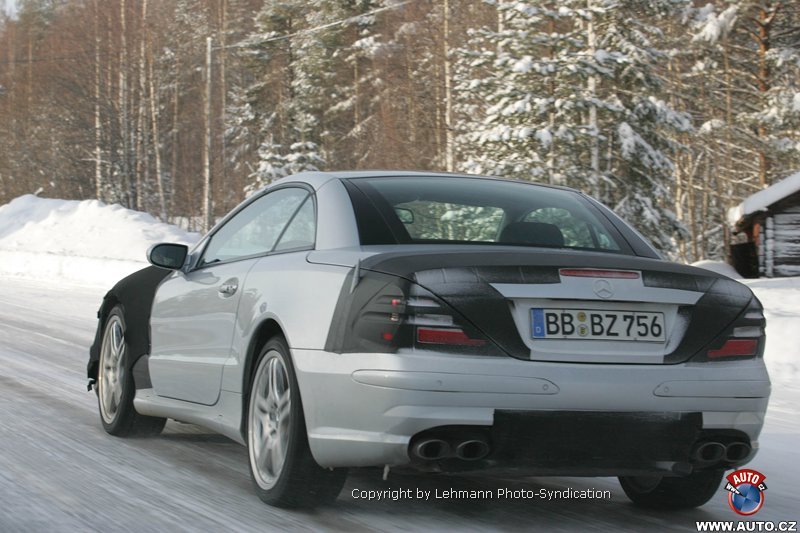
(207, 215)
(449, 145)
(591, 87)
(704, 215)
(10, 98)
(412, 101)
(162, 200)
(356, 97)
(98, 125)
(141, 133)
(223, 93)
(690, 201)
(726, 201)
(124, 126)
(765, 19)
(437, 126)
(174, 133)
(551, 123)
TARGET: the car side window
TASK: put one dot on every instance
(255, 229)
(302, 229)
(578, 233)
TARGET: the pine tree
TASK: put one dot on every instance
(566, 93)
(735, 72)
(278, 114)
(750, 53)
(355, 90)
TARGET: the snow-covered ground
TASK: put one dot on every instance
(60, 472)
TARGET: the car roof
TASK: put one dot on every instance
(318, 178)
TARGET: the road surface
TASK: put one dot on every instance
(59, 471)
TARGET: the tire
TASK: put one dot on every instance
(115, 386)
(686, 492)
(281, 465)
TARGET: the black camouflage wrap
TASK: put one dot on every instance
(135, 294)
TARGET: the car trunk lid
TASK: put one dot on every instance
(506, 291)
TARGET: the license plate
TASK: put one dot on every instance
(597, 324)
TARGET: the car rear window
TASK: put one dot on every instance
(464, 210)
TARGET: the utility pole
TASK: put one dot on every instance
(207, 215)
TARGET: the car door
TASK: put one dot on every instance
(194, 313)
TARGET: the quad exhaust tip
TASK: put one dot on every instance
(431, 449)
(464, 447)
(472, 450)
(709, 453)
(737, 451)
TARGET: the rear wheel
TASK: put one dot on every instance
(281, 465)
(672, 492)
(115, 387)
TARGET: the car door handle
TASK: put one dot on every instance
(228, 288)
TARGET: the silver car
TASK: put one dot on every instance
(442, 323)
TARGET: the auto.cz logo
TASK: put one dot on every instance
(746, 491)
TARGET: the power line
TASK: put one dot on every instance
(340, 22)
(43, 59)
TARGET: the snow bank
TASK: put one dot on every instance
(80, 241)
(719, 267)
(781, 300)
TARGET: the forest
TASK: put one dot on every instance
(669, 111)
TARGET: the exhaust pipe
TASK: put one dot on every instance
(472, 449)
(737, 451)
(430, 449)
(708, 453)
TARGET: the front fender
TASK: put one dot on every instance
(135, 294)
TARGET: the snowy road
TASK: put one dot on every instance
(60, 472)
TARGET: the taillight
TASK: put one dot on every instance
(735, 348)
(384, 313)
(446, 336)
(744, 339)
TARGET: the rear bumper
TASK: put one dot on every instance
(363, 409)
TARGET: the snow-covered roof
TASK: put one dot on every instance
(761, 200)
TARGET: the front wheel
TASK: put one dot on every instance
(686, 492)
(115, 386)
(281, 465)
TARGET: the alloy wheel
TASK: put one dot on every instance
(111, 369)
(270, 419)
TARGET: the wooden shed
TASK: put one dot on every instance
(768, 223)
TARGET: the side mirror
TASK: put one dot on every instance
(168, 255)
